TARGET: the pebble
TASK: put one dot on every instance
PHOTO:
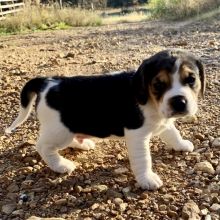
(61, 202)
(162, 207)
(208, 217)
(39, 218)
(190, 210)
(172, 214)
(8, 208)
(199, 136)
(18, 212)
(113, 194)
(204, 166)
(121, 170)
(94, 206)
(118, 201)
(204, 211)
(217, 169)
(216, 142)
(100, 188)
(215, 207)
(13, 188)
(123, 206)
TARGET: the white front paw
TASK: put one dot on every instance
(184, 145)
(62, 166)
(150, 181)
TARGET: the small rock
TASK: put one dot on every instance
(126, 189)
(121, 170)
(172, 214)
(189, 119)
(118, 201)
(8, 208)
(204, 211)
(204, 166)
(190, 210)
(218, 169)
(123, 206)
(18, 212)
(113, 194)
(208, 217)
(216, 142)
(13, 188)
(78, 189)
(215, 207)
(70, 54)
(61, 202)
(39, 218)
(163, 207)
(199, 136)
(94, 206)
(100, 188)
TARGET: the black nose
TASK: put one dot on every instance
(178, 103)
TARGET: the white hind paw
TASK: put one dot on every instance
(86, 144)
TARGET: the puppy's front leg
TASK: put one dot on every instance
(140, 159)
(174, 140)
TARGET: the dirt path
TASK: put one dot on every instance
(103, 187)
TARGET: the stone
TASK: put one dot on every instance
(39, 218)
(123, 206)
(121, 170)
(118, 201)
(208, 217)
(217, 169)
(13, 188)
(172, 214)
(100, 188)
(215, 207)
(216, 142)
(113, 194)
(204, 211)
(204, 166)
(8, 208)
(190, 210)
(199, 136)
(162, 207)
(18, 212)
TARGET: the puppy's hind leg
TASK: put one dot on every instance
(49, 143)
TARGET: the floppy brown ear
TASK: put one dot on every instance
(201, 76)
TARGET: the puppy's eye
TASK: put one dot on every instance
(190, 80)
(159, 85)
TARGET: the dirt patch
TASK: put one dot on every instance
(103, 187)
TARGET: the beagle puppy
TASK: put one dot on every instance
(136, 105)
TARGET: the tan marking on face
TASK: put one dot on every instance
(159, 85)
(189, 70)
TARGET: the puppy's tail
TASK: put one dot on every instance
(27, 97)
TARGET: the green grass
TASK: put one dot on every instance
(36, 18)
(179, 9)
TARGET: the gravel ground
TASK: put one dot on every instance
(103, 186)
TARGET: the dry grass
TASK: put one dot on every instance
(177, 9)
(132, 17)
(35, 18)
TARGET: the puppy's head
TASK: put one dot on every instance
(172, 80)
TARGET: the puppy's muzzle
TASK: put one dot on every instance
(178, 104)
